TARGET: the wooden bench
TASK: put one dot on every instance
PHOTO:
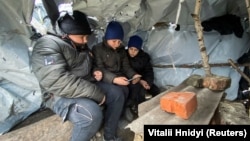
(45, 125)
(150, 112)
(41, 126)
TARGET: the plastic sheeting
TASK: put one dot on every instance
(176, 48)
(20, 95)
(19, 90)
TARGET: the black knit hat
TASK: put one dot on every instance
(77, 24)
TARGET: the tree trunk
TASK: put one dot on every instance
(199, 30)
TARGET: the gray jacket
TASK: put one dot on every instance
(62, 71)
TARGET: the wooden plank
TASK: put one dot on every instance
(208, 102)
(48, 129)
(147, 106)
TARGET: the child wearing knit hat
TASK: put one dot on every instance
(140, 62)
(114, 31)
(111, 57)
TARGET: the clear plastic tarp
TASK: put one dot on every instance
(20, 95)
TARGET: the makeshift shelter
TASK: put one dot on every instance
(174, 51)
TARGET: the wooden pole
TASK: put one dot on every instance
(248, 10)
(200, 65)
(234, 65)
(199, 30)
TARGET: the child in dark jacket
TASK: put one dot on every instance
(140, 62)
(110, 56)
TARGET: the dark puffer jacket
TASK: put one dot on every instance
(62, 70)
(142, 65)
(112, 62)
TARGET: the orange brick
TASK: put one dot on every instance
(183, 104)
